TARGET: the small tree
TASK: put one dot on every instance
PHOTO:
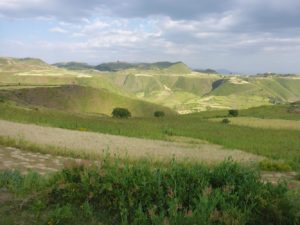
(159, 114)
(121, 113)
(233, 112)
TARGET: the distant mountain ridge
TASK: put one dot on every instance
(73, 65)
(179, 67)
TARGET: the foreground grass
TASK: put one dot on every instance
(276, 144)
(140, 193)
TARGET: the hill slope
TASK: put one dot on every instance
(81, 99)
(169, 84)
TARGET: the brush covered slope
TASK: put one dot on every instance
(81, 99)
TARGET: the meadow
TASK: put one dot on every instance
(276, 144)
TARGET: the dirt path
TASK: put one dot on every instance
(12, 158)
(95, 143)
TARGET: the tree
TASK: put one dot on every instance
(159, 114)
(233, 112)
(121, 113)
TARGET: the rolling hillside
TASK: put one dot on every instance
(169, 84)
(80, 99)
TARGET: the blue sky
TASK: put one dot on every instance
(249, 36)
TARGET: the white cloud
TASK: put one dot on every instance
(58, 30)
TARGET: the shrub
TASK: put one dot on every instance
(159, 114)
(121, 113)
(233, 112)
(226, 121)
(176, 194)
(273, 165)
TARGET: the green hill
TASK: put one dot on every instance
(171, 84)
(80, 99)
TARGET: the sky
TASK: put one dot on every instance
(248, 36)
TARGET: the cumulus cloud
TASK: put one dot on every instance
(208, 33)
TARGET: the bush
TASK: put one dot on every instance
(272, 165)
(119, 192)
(226, 121)
(233, 112)
(121, 113)
(159, 114)
(176, 194)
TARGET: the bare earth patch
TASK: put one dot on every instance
(93, 144)
(12, 158)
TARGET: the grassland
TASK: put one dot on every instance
(168, 84)
(276, 144)
(121, 190)
(81, 99)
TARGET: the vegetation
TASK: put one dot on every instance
(272, 165)
(127, 191)
(233, 112)
(188, 91)
(124, 193)
(276, 144)
(80, 99)
(226, 121)
(121, 113)
(159, 114)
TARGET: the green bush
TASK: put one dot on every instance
(159, 114)
(233, 112)
(140, 194)
(121, 113)
(118, 192)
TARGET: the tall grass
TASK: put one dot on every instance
(125, 193)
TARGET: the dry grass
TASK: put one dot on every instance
(264, 123)
(93, 146)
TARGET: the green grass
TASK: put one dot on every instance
(82, 99)
(276, 144)
(140, 193)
